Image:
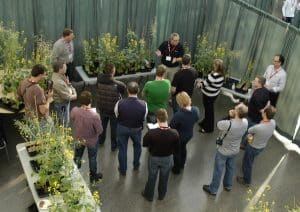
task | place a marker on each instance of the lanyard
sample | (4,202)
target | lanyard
(171,49)
(274,73)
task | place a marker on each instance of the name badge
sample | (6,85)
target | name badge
(168,58)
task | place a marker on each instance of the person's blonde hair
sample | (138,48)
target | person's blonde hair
(241,110)
(162,115)
(219,66)
(161,70)
(183,99)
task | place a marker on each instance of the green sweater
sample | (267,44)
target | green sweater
(157,93)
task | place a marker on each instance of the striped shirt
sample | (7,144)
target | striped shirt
(212,84)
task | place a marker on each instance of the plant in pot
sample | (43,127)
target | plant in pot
(42,53)
(90,56)
(137,54)
(14,67)
(206,52)
(56,175)
(107,51)
(245,84)
(12,62)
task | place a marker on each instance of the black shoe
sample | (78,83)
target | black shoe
(161,198)
(207,190)
(96,177)
(136,168)
(114,149)
(146,198)
(242,147)
(227,189)
(241,180)
(121,173)
(175,170)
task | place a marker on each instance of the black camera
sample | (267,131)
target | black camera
(219,141)
(49,84)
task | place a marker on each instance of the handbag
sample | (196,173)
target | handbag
(219,140)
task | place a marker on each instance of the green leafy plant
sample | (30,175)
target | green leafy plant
(206,52)
(14,65)
(56,174)
(90,55)
(42,53)
(105,49)
(135,52)
(245,82)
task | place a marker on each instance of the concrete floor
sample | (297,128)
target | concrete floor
(184,191)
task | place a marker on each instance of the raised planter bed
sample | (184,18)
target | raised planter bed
(141,78)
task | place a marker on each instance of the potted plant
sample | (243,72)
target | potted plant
(206,52)
(245,84)
(12,62)
(56,174)
(14,65)
(90,56)
(105,49)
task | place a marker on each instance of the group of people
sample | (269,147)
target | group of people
(174,82)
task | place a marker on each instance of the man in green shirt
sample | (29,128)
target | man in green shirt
(157,93)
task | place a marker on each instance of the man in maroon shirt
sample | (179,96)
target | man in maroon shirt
(87,127)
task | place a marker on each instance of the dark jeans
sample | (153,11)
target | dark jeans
(123,134)
(70,71)
(250,154)
(105,118)
(180,156)
(288,19)
(273,98)
(209,117)
(92,154)
(63,112)
(155,165)
(175,105)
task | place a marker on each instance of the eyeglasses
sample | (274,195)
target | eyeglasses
(276,61)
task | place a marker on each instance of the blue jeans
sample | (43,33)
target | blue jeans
(221,162)
(250,154)
(123,134)
(155,165)
(105,118)
(63,112)
(92,154)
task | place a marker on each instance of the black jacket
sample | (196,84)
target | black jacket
(109,91)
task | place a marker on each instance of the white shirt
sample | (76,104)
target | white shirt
(275,80)
(288,8)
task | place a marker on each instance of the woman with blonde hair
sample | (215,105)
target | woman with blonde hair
(210,88)
(183,121)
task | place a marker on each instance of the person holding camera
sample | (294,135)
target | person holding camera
(35,100)
(228,148)
(63,92)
